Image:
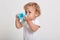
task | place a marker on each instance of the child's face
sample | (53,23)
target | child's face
(32,12)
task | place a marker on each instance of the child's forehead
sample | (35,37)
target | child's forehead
(30,8)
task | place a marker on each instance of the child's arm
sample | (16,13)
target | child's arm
(32,26)
(18,23)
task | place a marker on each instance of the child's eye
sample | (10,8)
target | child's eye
(29,12)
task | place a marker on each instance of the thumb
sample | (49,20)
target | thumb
(25,17)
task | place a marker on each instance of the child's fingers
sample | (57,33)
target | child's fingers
(25,17)
(17,17)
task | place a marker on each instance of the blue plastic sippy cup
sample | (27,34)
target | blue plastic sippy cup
(21,16)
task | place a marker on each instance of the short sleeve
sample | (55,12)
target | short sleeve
(36,21)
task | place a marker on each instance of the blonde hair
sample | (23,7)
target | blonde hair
(34,5)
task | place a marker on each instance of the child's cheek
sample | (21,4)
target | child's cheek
(31,16)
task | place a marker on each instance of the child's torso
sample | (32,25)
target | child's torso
(28,34)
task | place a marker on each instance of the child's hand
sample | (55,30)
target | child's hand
(27,18)
(17,17)
(18,23)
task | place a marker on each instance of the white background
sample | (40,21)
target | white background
(49,19)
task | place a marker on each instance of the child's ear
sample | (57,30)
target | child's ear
(36,14)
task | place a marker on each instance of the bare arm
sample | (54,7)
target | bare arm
(18,23)
(32,26)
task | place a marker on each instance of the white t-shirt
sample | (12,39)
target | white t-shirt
(28,34)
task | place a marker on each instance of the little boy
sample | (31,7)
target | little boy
(32,24)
